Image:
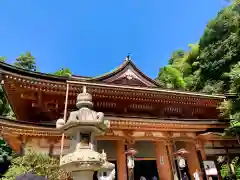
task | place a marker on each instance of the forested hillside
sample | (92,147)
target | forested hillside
(212,65)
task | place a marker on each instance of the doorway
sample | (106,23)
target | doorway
(146,168)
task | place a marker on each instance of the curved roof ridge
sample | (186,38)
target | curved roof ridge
(13,69)
(127,61)
(115,70)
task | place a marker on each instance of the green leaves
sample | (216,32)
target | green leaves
(26,61)
(41,164)
(5,151)
(212,66)
(180,73)
(225,169)
(171,78)
(5,156)
(63,72)
(209,65)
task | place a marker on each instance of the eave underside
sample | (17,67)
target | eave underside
(17,127)
(14,132)
(34,100)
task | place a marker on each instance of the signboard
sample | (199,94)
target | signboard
(161,160)
(210,168)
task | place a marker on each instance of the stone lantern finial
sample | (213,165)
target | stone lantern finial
(84,99)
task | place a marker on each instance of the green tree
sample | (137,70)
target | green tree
(63,72)
(5,150)
(5,156)
(204,66)
(176,55)
(26,61)
(225,169)
(2,59)
(5,109)
(212,66)
(181,71)
(170,77)
(41,164)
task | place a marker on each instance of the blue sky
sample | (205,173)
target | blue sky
(92,37)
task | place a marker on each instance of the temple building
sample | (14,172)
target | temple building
(156,122)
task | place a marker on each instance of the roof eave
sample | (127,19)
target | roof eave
(10,69)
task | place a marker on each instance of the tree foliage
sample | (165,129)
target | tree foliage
(5,151)
(63,72)
(235,162)
(26,61)
(212,66)
(205,65)
(5,156)
(2,59)
(41,164)
(5,109)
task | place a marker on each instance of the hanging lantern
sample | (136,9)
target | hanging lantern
(181,152)
(131,152)
(181,162)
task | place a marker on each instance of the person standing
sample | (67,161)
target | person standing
(196,175)
(154,178)
(185,177)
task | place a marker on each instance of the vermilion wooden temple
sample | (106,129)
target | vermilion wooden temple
(157,122)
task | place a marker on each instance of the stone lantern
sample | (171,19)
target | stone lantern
(82,126)
(107,171)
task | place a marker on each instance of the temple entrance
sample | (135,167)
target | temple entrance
(146,168)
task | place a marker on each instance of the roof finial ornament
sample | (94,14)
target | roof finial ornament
(128,57)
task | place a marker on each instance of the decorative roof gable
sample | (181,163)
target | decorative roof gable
(127,74)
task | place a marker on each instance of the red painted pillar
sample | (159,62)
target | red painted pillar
(163,162)
(121,161)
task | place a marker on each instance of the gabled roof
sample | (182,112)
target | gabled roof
(126,74)
(129,71)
